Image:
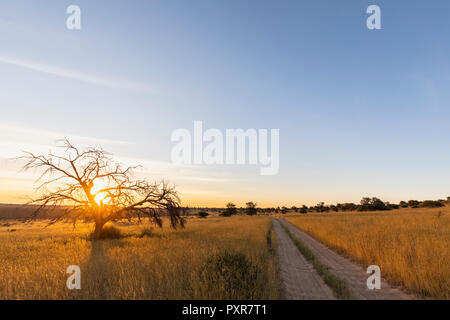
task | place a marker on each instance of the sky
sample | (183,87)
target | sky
(360,112)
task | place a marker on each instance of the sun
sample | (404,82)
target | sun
(101,197)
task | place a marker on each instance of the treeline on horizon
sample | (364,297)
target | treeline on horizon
(251,208)
(366,204)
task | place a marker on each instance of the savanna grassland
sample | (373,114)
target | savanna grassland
(411,246)
(214,258)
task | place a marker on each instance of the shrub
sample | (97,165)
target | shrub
(230,210)
(232,273)
(284,210)
(347,207)
(250,209)
(431,204)
(413,203)
(203,214)
(403,204)
(146,232)
(392,206)
(372,204)
(108,232)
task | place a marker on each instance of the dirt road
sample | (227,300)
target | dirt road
(299,279)
(352,274)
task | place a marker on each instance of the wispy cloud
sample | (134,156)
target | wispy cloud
(22,131)
(72,74)
(15,138)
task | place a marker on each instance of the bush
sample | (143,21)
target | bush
(203,214)
(347,207)
(230,210)
(372,204)
(108,232)
(284,210)
(146,232)
(431,204)
(413,203)
(250,208)
(403,204)
(304,209)
(392,206)
(233,274)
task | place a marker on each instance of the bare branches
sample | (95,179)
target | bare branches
(69,180)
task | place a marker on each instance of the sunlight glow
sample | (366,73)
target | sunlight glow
(102,196)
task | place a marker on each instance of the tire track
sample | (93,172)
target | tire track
(299,279)
(352,274)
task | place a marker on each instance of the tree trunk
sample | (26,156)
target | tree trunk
(98,229)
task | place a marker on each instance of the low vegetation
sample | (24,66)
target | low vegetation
(214,258)
(107,232)
(234,275)
(203,214)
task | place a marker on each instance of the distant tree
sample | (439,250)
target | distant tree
(89,185)
(320,207)
(403,204)
(250,208)
(365,203)
(431,204)
(294,208)
(304,209)
(284,210)
(413,204)
(372,204)
(392,206)
(347,207)
(230,210)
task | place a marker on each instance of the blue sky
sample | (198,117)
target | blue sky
(360,112)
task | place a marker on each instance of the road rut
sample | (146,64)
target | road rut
(354,275)
(299,279)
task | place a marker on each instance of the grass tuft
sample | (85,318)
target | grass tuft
(146,232)
(234,273)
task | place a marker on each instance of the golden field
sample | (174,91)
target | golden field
(411,246)
(213,258)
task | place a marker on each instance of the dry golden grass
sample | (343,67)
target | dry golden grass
(411,246)
(166,265)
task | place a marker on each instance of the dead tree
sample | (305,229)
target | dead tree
(89,185)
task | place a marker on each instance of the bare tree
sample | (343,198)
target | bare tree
(89,185)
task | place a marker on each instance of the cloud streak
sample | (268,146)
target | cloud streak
(26,133)
(70,74)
